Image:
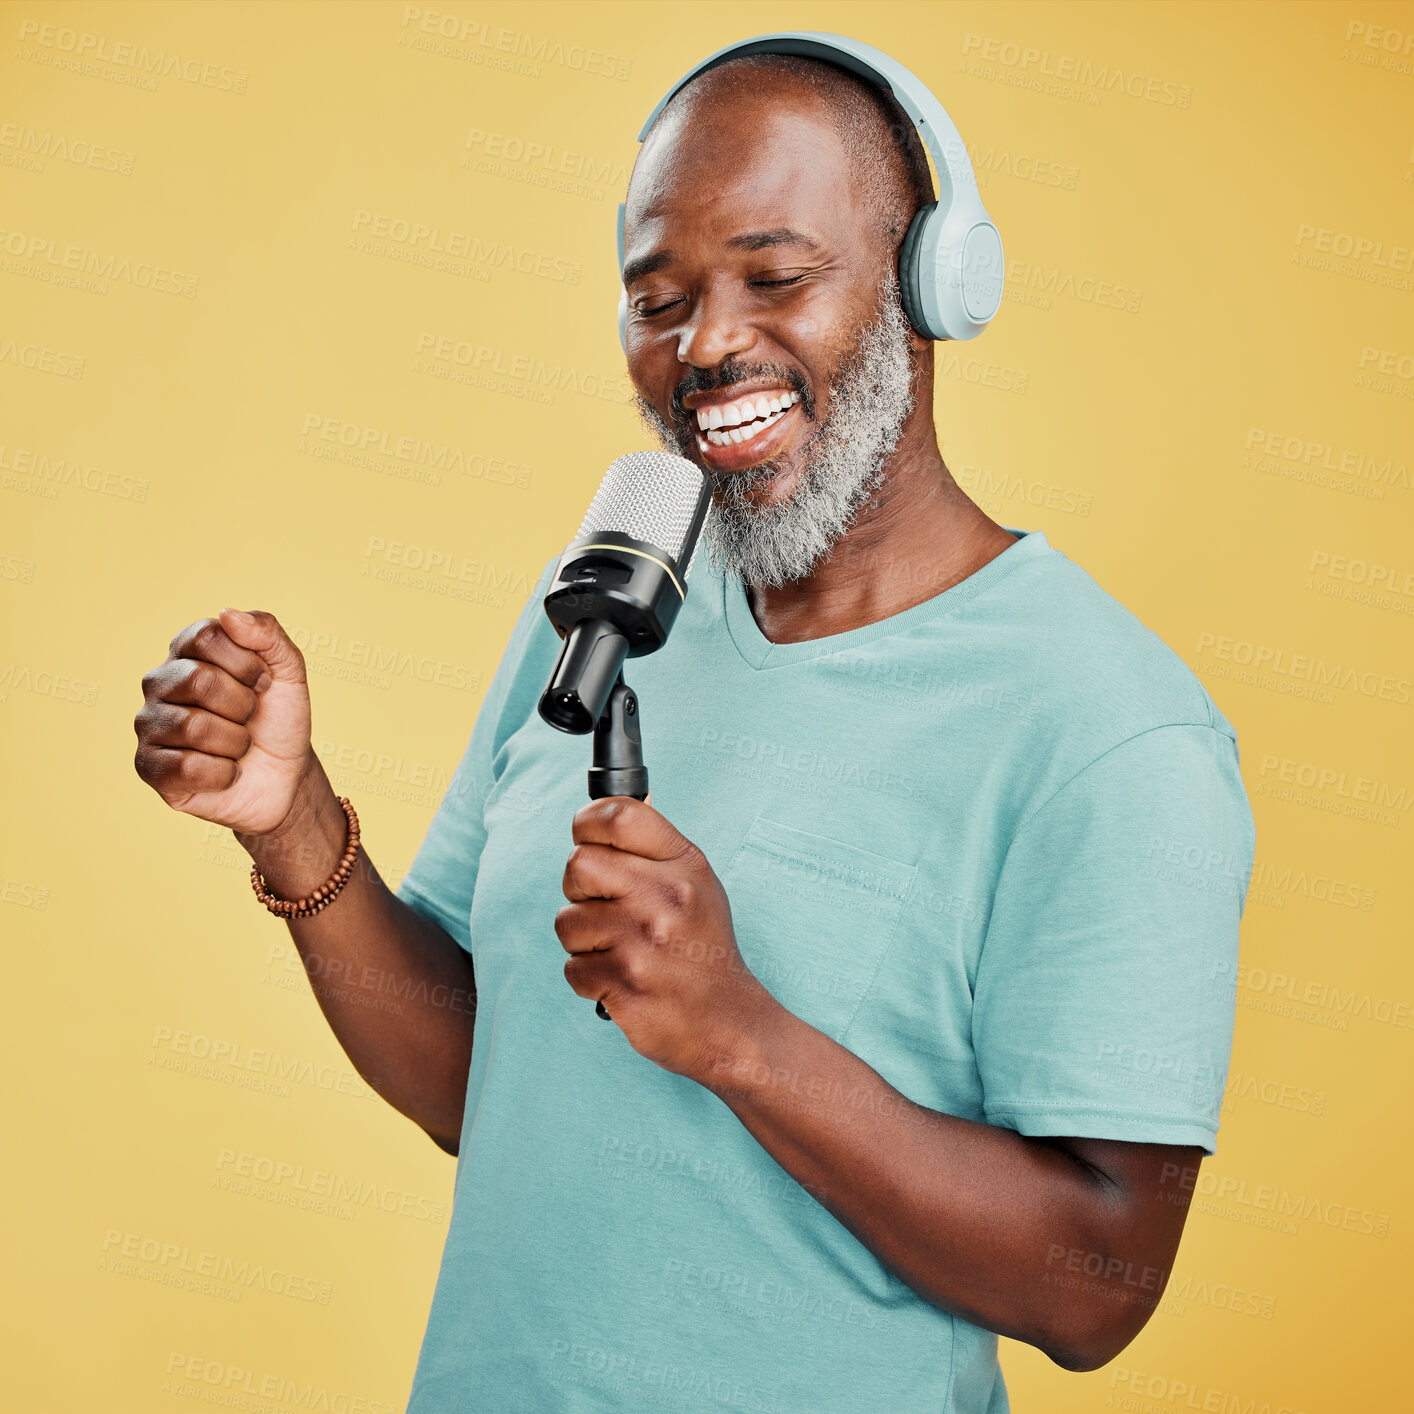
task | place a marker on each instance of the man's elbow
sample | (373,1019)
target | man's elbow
(1080,1362)
(1090,1345)
(447,1143)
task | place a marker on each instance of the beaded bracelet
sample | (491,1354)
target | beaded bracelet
(326,893)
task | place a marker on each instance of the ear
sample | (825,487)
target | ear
(916,341)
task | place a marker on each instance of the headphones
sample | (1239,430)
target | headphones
(950,263)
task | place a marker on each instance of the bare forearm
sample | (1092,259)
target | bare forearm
(397,991)
(969,1215)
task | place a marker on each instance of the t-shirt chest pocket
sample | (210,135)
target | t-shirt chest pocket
(813,917)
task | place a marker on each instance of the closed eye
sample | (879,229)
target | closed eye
(760,284)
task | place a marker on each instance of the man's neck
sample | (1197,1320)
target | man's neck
(920,535)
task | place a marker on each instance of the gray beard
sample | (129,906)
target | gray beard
(870,398)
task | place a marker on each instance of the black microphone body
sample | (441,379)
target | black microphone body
(610,600)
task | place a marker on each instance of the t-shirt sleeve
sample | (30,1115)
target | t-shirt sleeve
(442,878)
(1103,1004)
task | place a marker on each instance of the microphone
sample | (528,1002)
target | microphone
(620,584)
(615,595)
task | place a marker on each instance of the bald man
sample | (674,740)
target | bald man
(919,963)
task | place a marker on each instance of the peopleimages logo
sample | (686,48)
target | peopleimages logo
(33,149)
(138,1254)
(222,1383)
(44,253)
(1038,64)
(1301,669)
(1132,1387)
(1268,450)
(244,1173)
(556,161)
(58,44)
(377,664)
(41,359)
(1355,246)
(456,38)
(1286,994)
(432,240)
(1336,780)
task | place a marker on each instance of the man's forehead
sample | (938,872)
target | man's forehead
(784,181)
(758,142)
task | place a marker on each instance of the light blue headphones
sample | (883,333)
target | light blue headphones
(950,263)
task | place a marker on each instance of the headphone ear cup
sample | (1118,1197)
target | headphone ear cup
(909,274)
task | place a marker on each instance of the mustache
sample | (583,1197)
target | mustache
(732,370)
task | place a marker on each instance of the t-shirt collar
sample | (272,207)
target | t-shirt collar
(759,652)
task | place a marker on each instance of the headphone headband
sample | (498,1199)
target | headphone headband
(940,136)
(950,263)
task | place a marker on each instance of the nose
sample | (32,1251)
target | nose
(717,330)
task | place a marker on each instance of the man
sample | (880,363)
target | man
(945,866)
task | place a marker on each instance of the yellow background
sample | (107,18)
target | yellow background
(185,463)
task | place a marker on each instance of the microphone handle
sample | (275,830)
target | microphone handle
(618,767)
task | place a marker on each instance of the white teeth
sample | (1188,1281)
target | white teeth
(742,434)
(747,410)
(725,426)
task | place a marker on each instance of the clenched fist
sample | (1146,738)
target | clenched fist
(224,733)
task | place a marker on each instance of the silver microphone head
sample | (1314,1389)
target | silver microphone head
(655,497)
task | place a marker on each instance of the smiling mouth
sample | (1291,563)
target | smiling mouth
(742,422)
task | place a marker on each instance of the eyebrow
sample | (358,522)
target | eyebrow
(748,240)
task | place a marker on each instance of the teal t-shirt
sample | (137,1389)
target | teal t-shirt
(997,845)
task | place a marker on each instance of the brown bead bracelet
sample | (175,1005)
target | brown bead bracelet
(326,893)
